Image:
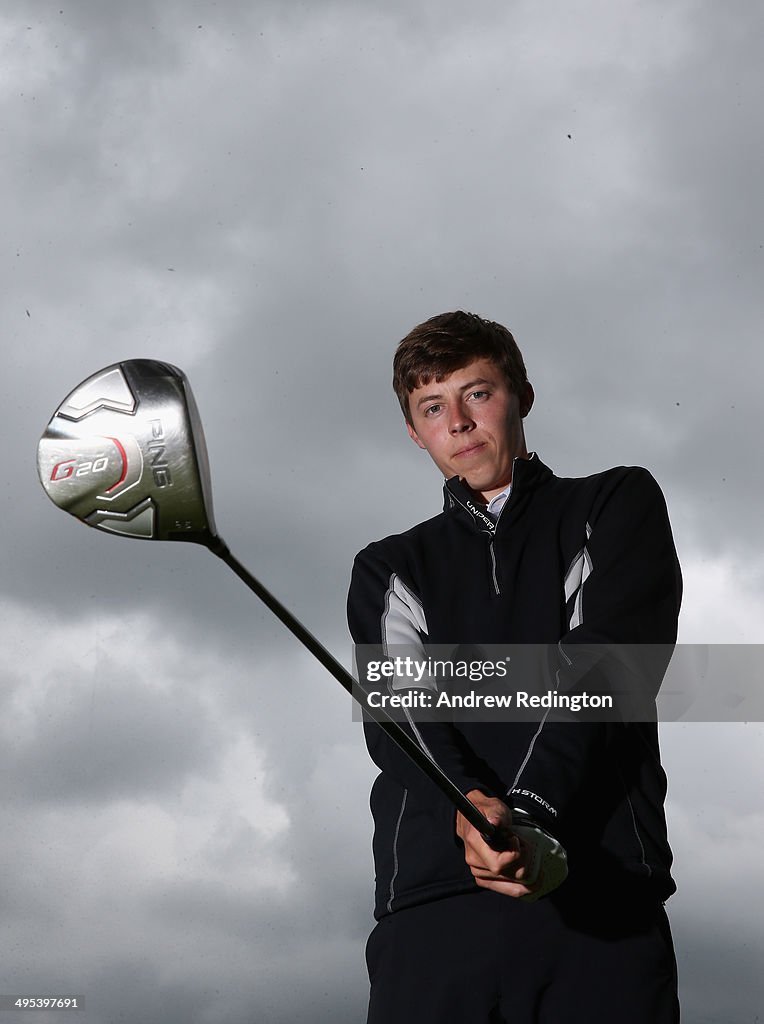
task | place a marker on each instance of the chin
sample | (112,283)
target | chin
(480,486)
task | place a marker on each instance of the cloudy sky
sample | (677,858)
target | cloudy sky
(270,195)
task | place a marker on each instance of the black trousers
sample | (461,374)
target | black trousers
(483,958)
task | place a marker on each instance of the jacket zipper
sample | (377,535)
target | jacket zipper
(494,564)
(494,573)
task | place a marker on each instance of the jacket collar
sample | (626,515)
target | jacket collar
(527,474)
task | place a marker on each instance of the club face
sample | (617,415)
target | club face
(125,453)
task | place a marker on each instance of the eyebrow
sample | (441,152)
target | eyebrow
(464,387)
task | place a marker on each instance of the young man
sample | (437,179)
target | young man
(518,556)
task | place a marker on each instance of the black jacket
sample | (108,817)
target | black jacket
(569,562)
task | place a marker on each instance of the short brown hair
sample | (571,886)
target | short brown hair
(447,342)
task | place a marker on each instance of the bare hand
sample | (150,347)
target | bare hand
(502,871)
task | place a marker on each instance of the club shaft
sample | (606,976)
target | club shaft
(393,729)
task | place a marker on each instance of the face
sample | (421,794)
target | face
(471,424)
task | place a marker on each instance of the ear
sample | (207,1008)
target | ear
(526,399)
(414,436)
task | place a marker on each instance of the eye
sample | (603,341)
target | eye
(431,410)
(478,396)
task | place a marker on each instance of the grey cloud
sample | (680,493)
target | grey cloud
(109,739)
(719,965)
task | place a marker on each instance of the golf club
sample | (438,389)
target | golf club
(125,453)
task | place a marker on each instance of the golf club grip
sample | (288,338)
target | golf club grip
(496,838)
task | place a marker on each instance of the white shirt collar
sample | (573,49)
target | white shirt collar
(496,503)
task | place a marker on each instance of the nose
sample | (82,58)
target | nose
(459,420)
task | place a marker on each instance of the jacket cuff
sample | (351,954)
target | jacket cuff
(535,806)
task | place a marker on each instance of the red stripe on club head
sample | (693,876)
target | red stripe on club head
(123,455)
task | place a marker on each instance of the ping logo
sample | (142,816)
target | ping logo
(160,468)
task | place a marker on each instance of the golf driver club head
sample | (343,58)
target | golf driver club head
(125,453)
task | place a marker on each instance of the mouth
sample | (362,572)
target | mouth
(472,449)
